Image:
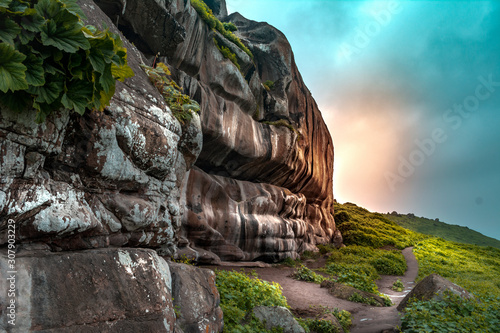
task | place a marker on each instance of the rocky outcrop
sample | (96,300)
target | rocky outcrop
(248,178)
(196,299)
(105,290)
(87,185)
(263,184)
(433,287)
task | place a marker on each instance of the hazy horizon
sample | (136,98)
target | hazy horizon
(410,92)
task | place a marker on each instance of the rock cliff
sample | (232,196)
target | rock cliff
(262,185)
(249,178)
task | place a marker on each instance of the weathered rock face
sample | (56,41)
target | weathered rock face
(196,297)
(240,150)
(108,178)
(106,290)
(90,185)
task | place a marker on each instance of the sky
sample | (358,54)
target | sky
(410,91)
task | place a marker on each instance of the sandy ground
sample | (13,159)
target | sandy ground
(302,296)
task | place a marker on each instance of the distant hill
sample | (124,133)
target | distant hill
(446,231)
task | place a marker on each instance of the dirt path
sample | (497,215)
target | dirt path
(366,319)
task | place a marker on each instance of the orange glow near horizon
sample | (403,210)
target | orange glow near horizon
(365,148)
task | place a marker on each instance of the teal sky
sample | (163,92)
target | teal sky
(410,91)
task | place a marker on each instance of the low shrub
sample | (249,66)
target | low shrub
(290,262)
(268,85)
(305,274)
(452,314)
(398,285)
(239,294)
(321,326)
(355,297)
(229,26)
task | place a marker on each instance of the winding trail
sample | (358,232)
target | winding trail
(303,297)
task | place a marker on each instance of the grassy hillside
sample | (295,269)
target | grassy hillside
(476,268)
(362,227)
(446,231)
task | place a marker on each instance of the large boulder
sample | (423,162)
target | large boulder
(432,287)
(196,299)
(103,290)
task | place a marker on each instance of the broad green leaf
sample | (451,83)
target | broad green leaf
(32,20)
(74,8)
(26,37)
(8,29)
(12,70)
(64,38)
(75,66)
(17,101)
(50,91)
(96,59)
(34,72)
(78,96)
(48,8)
(18,7)
(5,3)
(121,73)
(101,48)
(120,58)
(45,109)
(51,68)
(106,79)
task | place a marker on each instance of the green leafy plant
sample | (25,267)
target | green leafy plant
(50,60)
(290,262)
(185,260)
(182,106)
(239,294)
(213,22)
(228,54)
(305,274)
(229,26)
(452,314)
(268,85)
(321,326)
(355,297)
(398,285)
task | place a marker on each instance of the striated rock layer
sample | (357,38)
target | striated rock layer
(77,188)
(260,190)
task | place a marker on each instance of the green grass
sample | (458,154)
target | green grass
(473,267)
(446,231)
(362,227)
